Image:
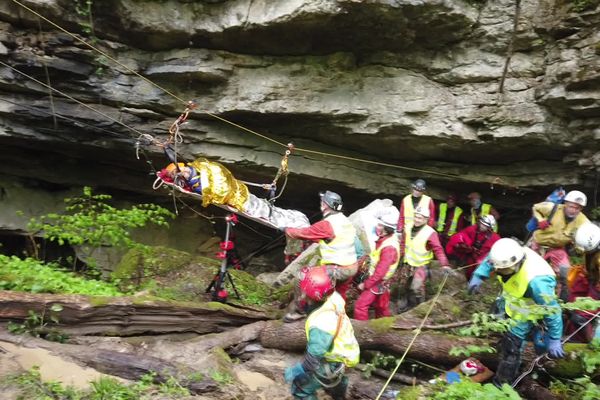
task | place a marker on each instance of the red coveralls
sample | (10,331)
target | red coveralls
(471,246)
(375,283)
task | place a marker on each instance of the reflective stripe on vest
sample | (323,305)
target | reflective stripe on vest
(415,249)
(345,348)
(442,219)
(376,254)
(341,249)
(516,286)
(409,210)
(485,210)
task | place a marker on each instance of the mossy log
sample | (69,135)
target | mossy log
(125,365)
(431,347)
(128,315)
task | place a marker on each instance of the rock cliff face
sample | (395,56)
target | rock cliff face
(421,84)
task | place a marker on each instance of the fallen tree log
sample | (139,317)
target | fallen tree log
(125,365)
(127,315)
(431,347)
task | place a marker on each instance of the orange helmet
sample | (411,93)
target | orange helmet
(171,168)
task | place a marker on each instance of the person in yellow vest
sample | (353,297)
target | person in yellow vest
(556,230)
(527,280)
(417,198)
(450,219)
(331,344)
(337,240)
(479,209)
(418,245)
(383,263)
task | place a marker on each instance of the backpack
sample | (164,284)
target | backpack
(557,197)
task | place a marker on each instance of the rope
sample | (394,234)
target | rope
(417,332)
(267,138)
(47,73)
(537,362)
(71,98)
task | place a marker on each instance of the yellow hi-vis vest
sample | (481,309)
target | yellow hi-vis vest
(516,286)
(409,210)
(375,254)
(331,318)
(442,219)
(415,248)
(485,210)
(340,250)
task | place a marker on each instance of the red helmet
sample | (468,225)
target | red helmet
(316,283)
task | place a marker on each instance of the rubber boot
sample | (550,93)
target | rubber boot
(338,392)
(510,360)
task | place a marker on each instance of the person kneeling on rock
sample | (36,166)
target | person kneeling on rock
(383,263)
(331,344)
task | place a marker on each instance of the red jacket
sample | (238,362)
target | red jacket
(388,256)
(480,242)
(433,243)
(431,221)
(315,232)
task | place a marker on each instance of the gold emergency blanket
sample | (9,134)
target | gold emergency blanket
(218,185)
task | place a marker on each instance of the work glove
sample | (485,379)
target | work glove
(447,270)
(292,372)
(543,224)
(555,348)
(475,284)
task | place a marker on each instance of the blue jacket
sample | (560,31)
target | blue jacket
(541,290)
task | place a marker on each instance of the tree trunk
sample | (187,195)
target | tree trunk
(126,316)
(430,347)
(124,365)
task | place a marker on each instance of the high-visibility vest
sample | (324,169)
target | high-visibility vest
(376,254)
(485,210)
(332,318)
(341,249)
(442,219)
(415,248)
(409,210)
(516,286)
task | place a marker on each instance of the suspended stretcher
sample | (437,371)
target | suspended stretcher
(213,184)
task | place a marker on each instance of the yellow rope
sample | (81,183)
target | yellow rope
(418,331)
(70,97)
(307,151)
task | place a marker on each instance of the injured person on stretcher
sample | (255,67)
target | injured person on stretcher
(217,186)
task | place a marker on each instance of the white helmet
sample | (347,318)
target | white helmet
(390,218)
(577,197)
(488,220)
(506,253)
(424,211)
(470,367)
(588,236)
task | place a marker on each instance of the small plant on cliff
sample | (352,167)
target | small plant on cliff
(38,325)
(91,221)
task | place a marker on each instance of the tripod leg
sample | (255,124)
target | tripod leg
(233,285)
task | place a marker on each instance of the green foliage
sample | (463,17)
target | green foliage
(595,213)
(469,390)
(591,360)
(105,388)
(33,388)
(31,275)
(484,324)
(584,5)
(221,377)
(141,263)
(470,349)
(37,325)
(90,220)
(582,303)
(581,388)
